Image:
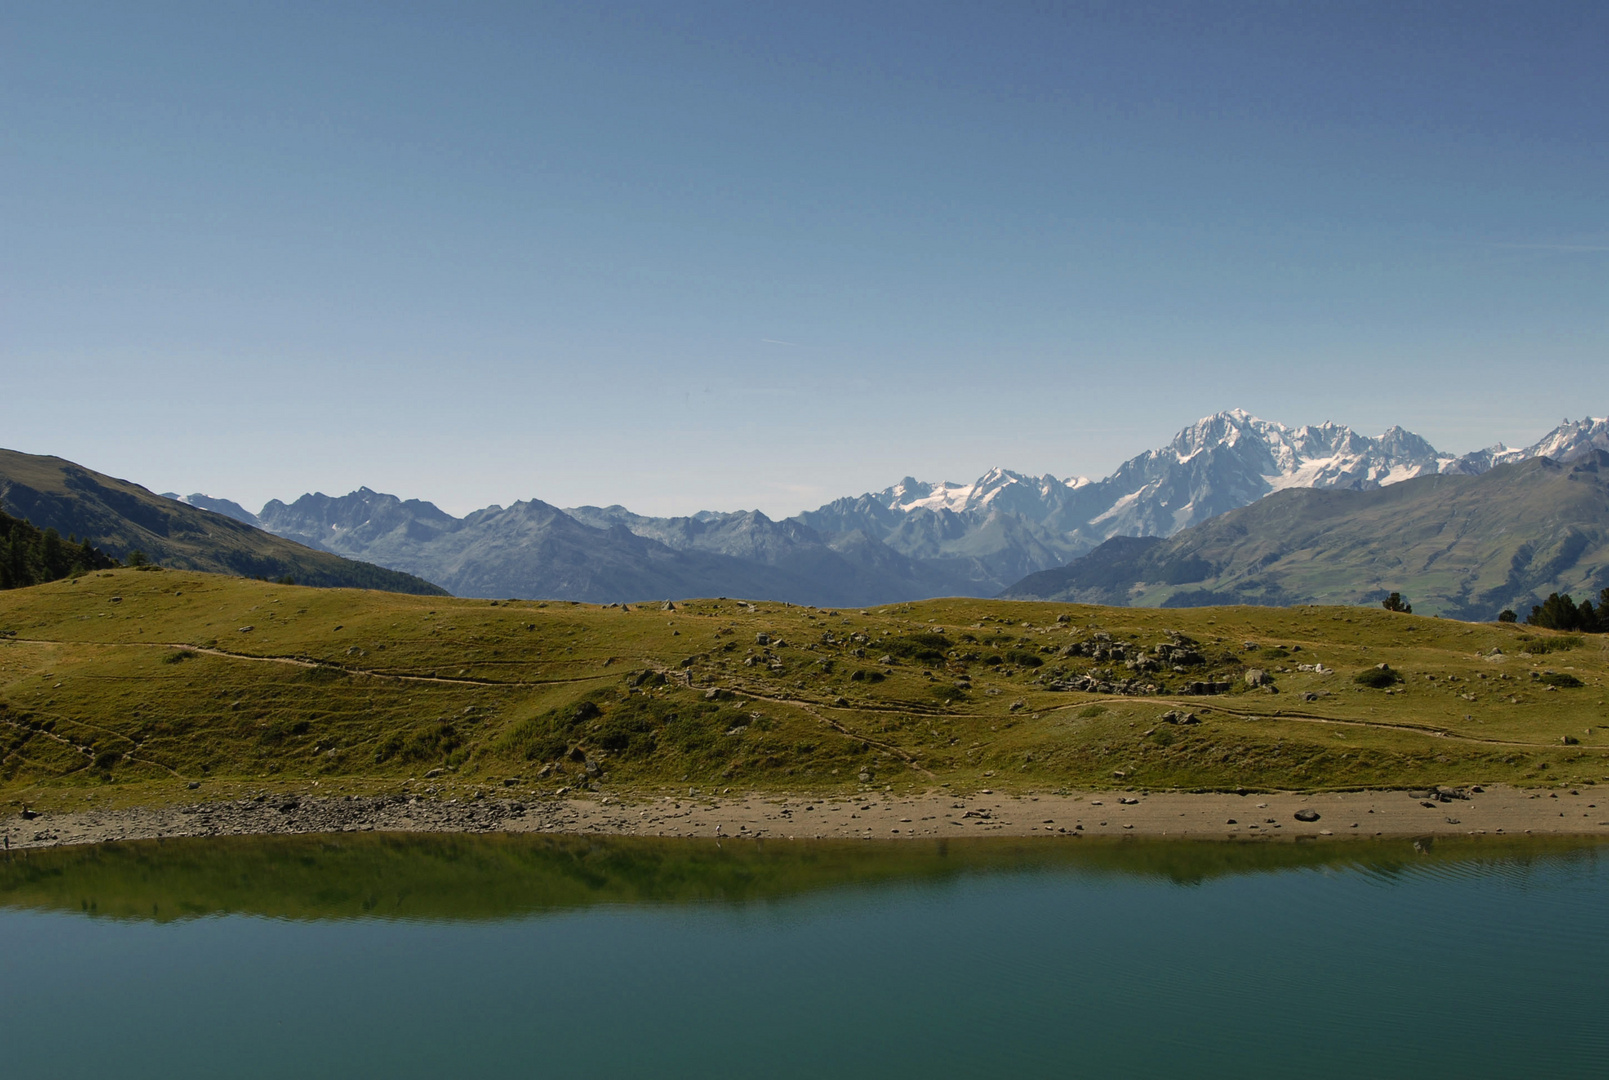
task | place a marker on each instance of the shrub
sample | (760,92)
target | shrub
(1560,679)
(1543,646)
(427,743)
(1377,677)
(1395,602)
(929,647)
(1024,659)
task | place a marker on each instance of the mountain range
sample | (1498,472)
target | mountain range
(121,518)
(1465,546)
(913,539)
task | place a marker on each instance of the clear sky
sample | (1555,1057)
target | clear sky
(685,256)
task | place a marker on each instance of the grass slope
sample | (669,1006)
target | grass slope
(128,684)
(1462,546)
(119,517)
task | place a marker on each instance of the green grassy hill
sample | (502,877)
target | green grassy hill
(119,518)
(136,683)
(1463,546)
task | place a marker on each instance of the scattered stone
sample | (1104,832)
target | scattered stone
(1307,814)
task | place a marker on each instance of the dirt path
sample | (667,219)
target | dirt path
(1303,717)
(307,662)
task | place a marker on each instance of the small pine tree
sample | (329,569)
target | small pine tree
(1507,615)
(1395,602)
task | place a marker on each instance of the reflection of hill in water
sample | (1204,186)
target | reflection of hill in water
(492,877)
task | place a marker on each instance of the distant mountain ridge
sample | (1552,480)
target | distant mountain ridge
(532,549)
(120,517)
(1457,544)
(910,540)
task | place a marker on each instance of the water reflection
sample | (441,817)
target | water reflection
(441,877)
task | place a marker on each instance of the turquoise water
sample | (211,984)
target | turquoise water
(398,958)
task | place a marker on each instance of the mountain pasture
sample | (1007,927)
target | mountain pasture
(135,684)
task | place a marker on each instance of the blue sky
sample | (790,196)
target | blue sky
(685,256)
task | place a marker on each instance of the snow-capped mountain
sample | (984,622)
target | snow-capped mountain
(1222,462)
(910,539)
(997,486)
(217,506)
(1232,458)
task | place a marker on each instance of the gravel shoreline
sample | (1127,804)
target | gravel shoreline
(1254,816)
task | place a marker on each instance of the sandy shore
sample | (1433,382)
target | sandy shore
(1494,811)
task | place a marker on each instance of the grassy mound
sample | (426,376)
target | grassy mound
(132,684)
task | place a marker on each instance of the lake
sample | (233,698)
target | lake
(404,956)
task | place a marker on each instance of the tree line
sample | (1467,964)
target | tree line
(1563,613)
(29,556)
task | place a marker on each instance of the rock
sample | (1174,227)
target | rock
(885,659)
(762,639)
(192,785)
(669,606)
(246,629)
(1307,814)
(29,815)
(1256,677)
(432,774)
